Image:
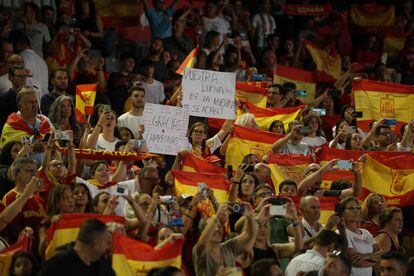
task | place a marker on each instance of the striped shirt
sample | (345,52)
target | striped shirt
(309,261)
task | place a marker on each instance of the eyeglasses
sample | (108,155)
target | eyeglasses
(198,131)
(358,208)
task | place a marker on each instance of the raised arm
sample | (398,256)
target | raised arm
(93,138)
(308,181)
(71,155)
(279,144)
(356,185)
(249,233)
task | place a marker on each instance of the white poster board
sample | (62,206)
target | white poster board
(209,94)
(165,128)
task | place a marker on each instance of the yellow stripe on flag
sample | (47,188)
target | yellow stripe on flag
(329,64)
(251,93)
(372,15)
(245,141)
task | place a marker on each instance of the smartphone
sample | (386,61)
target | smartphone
(259,77)
(350,129)
(202,188)
(305,130)
(345,164)
(105,108)
(319,111)
(229,172)
(301,93)
(339,209)
(178,222)
(121,191)
(137,143)
(26,140)
(357,114)
(61,135)
(336,93)
(237,209)
(168,199)
(278,206)
(390,122)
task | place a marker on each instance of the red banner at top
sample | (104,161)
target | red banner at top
(313,10)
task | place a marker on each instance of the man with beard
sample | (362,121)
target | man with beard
(133,118)
(156,49)
(120,82)
(59,80)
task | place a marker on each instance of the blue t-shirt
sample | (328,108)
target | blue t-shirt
(160,22)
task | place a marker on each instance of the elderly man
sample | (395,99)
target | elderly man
(27,122)
(292,143)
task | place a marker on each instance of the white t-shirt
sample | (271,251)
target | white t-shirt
(363,243)
(309,261)
(338,145)
(265,25)
(128,185)
(38,35)
(102,144)
(130,121)
(300,148)
(218,24)
(213,144)
(38,69)
(314,141)
(154,92)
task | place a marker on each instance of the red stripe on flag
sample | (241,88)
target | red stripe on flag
(243,86)
(215,180)
(295,74)
(363,86)
(255,135)
(282,159)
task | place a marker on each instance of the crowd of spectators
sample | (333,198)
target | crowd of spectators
(45,52)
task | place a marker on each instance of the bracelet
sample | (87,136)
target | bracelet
(296,224)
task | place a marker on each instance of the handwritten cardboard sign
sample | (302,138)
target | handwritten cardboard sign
(209,93)
(165,128)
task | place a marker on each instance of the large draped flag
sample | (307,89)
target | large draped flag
(372,15)
(85,100)
(304,80)
(191,163)
(131,257)
(244,141)
(394,42)
(6,255)
(66,230)
(393,177)
(252,93)
(287,166)
(266,116)
(328,65)
(189,61)
(378,100)
(187,183)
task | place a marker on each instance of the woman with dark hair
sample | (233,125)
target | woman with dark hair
(90,23)
(9,153)
(62,116)
(391,223)
(83,199)
(24,263)
(339,141)
(353,142)
(211,43)
(277,126)
(103,136)
(314,137)
(288,54)
(125,134)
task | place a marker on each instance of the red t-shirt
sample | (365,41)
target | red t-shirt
(48,184)
(32,214)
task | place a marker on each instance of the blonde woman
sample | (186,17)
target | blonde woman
(372,208)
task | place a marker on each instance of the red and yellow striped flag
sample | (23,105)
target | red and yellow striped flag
(131,257)
(247,140)
(187,183)
(287,166)
(391,176)
(193,164)
(66,230)
(304,80)
(394,42)
(372,15)
(6,256)
(254,94)
(328,64)
(85,100)
(189,61)
(378,100)
(266,116)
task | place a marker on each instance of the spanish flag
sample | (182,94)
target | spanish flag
(266,116)
(66,230)
(189,61)
(6,256)
(393,177)
(193,164)
(287,166)
(85,100)
(247,140)
(304,80)
(328,64)
(131,257)
(378,100)
(372,15)
(246,92)
(187,183)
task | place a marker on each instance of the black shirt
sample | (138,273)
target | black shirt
(67,262)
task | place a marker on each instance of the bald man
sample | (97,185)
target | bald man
(311,211)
